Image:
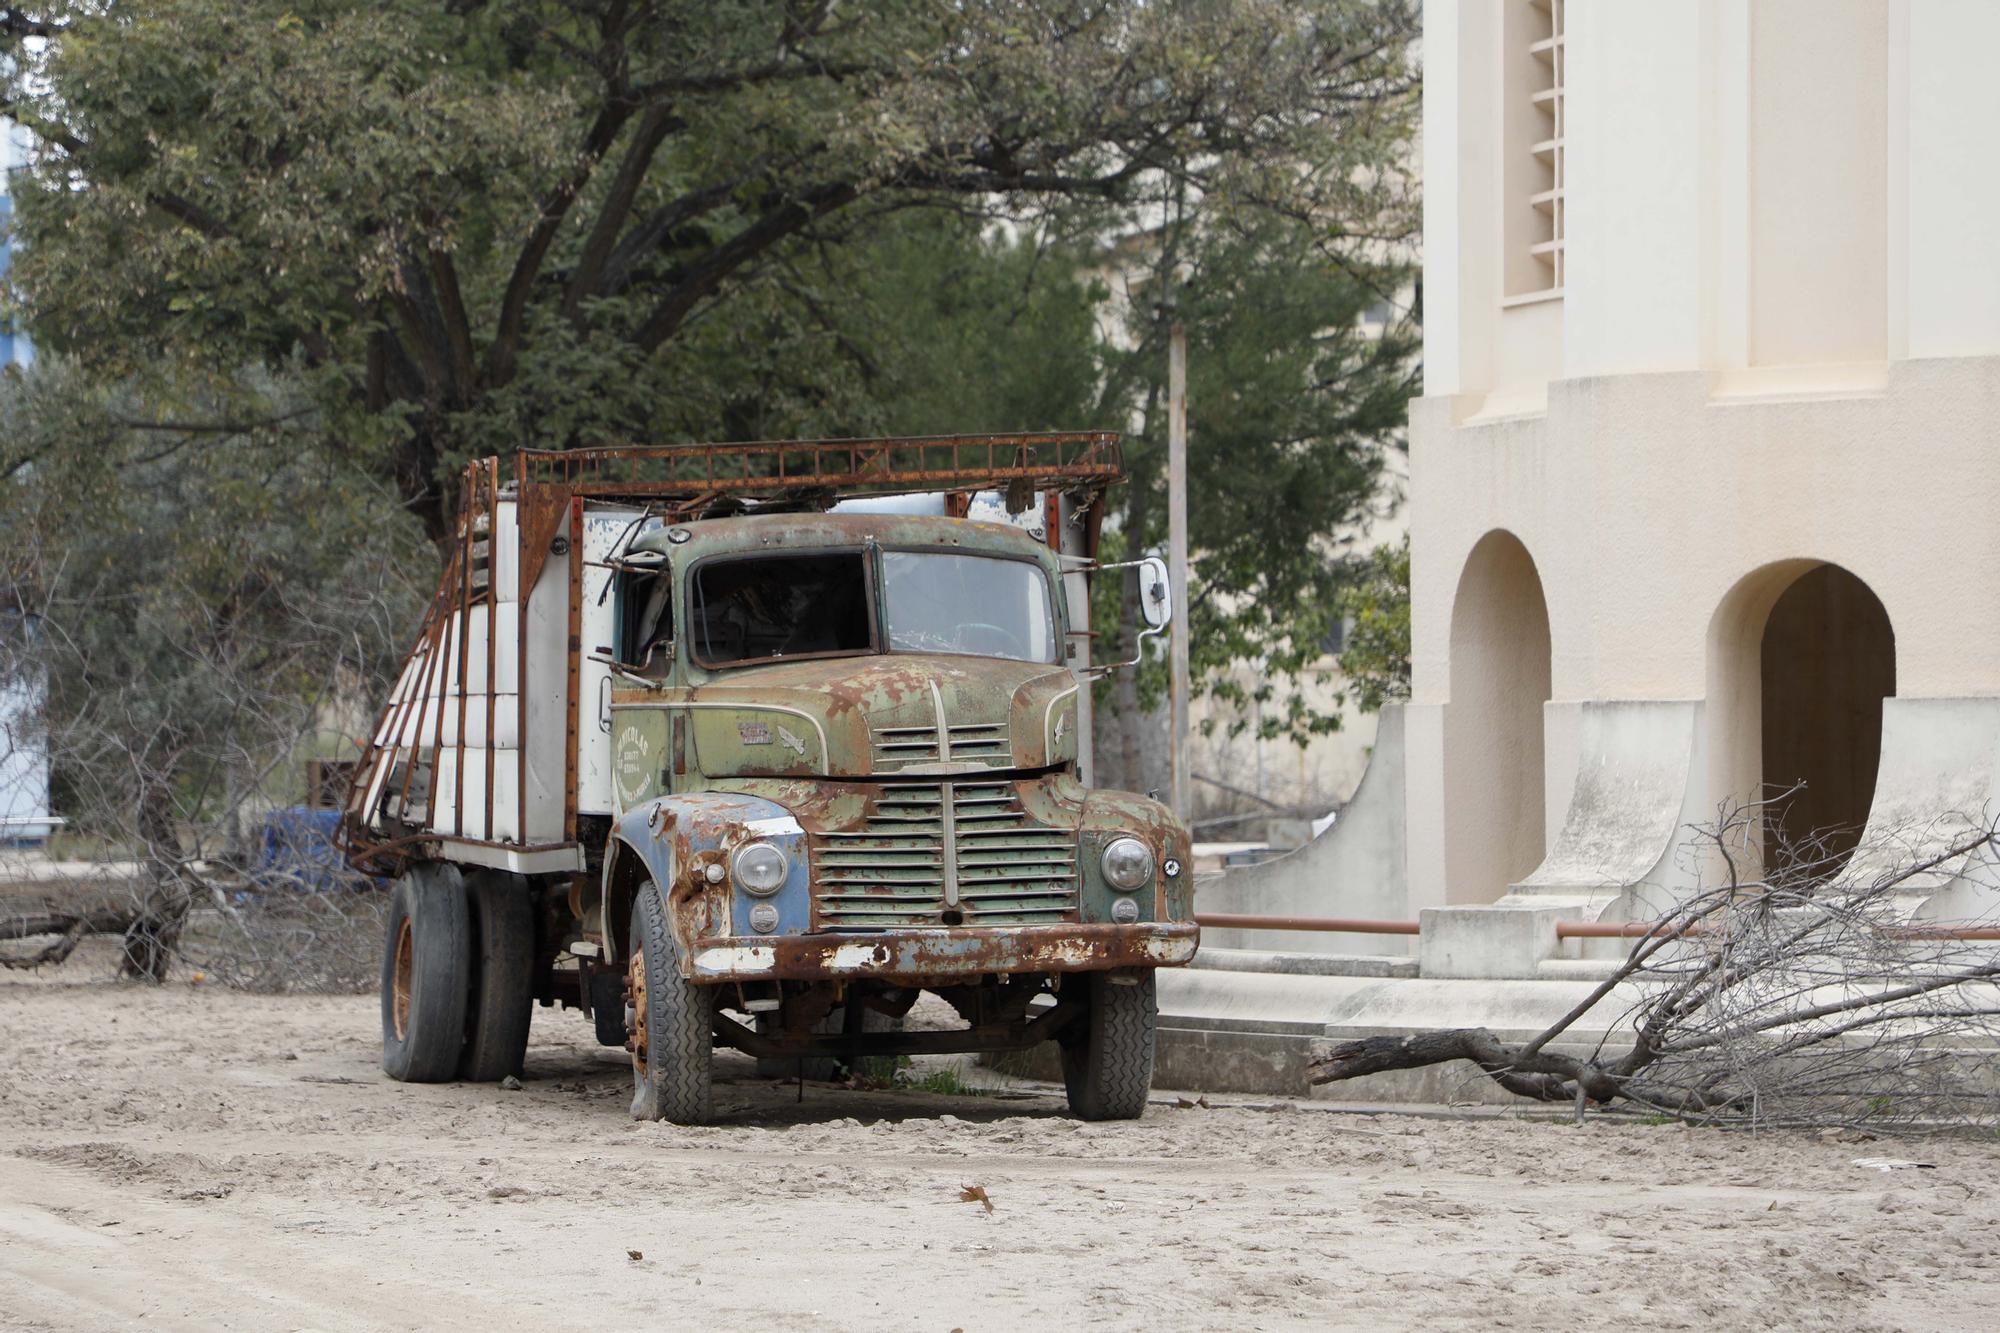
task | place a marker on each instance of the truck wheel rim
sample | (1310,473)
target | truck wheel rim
(635,986)
(406,962)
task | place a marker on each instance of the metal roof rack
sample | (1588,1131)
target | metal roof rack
(686,476)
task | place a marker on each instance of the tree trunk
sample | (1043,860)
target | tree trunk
(154,935)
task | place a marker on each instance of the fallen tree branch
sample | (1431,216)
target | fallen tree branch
(68,927)
(1796,998)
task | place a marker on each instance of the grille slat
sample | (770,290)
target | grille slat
(984,743)
(890,872)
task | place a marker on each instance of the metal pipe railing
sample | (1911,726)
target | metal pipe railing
(1565,930)
(1349,925)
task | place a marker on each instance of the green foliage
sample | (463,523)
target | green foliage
(1291,405)
(460,228)
(1376,604)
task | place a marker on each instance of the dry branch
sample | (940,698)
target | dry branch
(1795,998)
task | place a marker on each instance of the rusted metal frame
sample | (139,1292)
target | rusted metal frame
(434,666)
(417,684)
(988,1037)
(1076,456)
(523,588)
(1093,526)
(467,497)
(568,460)
(492,478)
(573,688)
(354,821)
(1054,947)
(887,482)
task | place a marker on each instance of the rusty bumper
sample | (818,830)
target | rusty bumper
(932,955)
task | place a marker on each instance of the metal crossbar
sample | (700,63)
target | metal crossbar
(694,472)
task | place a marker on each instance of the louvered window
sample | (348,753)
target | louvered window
(1535,66)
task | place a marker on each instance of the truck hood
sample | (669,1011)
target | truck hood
(882,716)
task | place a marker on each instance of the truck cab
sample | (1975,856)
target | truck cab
(845,767)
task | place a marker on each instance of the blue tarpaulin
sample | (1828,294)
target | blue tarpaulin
(298,843)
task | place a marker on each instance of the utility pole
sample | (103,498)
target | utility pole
(1177,563)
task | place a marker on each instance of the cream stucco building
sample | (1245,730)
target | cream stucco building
(1705,479)
(1706,474)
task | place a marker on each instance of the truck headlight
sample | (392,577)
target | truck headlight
(1128,864)
(761,869)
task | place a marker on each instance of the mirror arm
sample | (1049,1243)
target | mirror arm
(1138,642)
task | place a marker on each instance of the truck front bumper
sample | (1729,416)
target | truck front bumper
(925,956)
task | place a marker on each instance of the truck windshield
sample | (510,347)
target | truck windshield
(766,607)
(939,602)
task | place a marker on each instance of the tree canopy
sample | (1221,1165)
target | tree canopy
(465,226)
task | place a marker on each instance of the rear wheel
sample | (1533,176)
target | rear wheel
(426,964)
(672,1024)
(1107,1057)
(503,962)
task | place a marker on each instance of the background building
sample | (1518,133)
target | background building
(1704,477)
(24,760)
(1706,465)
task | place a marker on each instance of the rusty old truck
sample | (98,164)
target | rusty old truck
(750,746)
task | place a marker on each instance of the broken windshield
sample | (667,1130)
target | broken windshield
(768,607)
(985,606)
(765,607)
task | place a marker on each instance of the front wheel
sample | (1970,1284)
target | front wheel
(672,1024)
(1107,1056)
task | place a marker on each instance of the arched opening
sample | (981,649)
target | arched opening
(1801,656)
(1493,724)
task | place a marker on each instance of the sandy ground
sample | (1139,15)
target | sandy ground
(192,1157)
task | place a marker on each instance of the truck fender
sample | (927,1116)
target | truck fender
(671,842)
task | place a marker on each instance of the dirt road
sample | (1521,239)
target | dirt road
(197,1158)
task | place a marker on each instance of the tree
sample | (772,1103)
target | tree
(462,226)
(1375,602)
(199,612)
(1800,996)
(1292,402)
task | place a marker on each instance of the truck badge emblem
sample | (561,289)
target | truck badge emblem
(791,742)
(754,733)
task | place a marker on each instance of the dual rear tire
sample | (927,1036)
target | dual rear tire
(457,975)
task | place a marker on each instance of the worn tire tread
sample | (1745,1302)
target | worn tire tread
(501,1003)
(680,1027)
(1108,1073)
(432,896)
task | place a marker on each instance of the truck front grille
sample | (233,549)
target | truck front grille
(899,747)
(983,743)
(1008,869)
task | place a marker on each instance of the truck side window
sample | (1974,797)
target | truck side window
(646,604)
(767,607)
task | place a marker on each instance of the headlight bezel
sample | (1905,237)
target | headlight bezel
(1136,875)
(756,886)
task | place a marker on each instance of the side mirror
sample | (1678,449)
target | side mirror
(1156,593)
